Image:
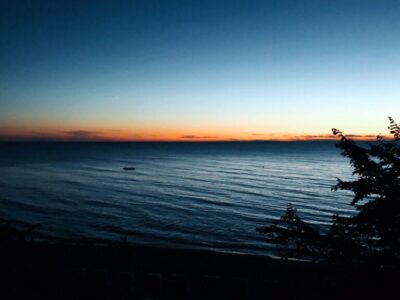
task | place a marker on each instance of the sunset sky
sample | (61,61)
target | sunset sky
(197,70)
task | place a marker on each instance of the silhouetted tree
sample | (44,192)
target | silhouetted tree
(372,233)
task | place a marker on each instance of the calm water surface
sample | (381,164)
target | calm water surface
(193,195)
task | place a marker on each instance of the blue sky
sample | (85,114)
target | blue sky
(223,69)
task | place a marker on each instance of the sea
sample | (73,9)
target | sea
(195,195)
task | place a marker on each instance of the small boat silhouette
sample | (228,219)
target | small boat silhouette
(128,168)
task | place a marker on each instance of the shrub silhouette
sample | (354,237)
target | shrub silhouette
(371,234)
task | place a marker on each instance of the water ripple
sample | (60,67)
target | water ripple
(180,194)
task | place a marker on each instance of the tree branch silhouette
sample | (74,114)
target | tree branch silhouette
(374,232)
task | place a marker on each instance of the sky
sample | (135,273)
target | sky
(197,70)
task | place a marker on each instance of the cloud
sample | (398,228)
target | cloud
(315,137)
(83,133)
(361,136)
(72,135)
(197,137)
(332,137)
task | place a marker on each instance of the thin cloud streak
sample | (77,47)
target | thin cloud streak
(198,137)
(83,133)
(324,137)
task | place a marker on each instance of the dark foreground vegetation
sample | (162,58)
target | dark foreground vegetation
(370,236)
(95,270)
(358,258)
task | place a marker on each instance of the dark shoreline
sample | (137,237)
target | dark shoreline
(61,270)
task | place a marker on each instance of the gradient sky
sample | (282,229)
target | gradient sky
(197,70)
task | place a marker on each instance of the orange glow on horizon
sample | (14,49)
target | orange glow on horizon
(167,135)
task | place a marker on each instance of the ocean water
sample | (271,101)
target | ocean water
(187,195)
